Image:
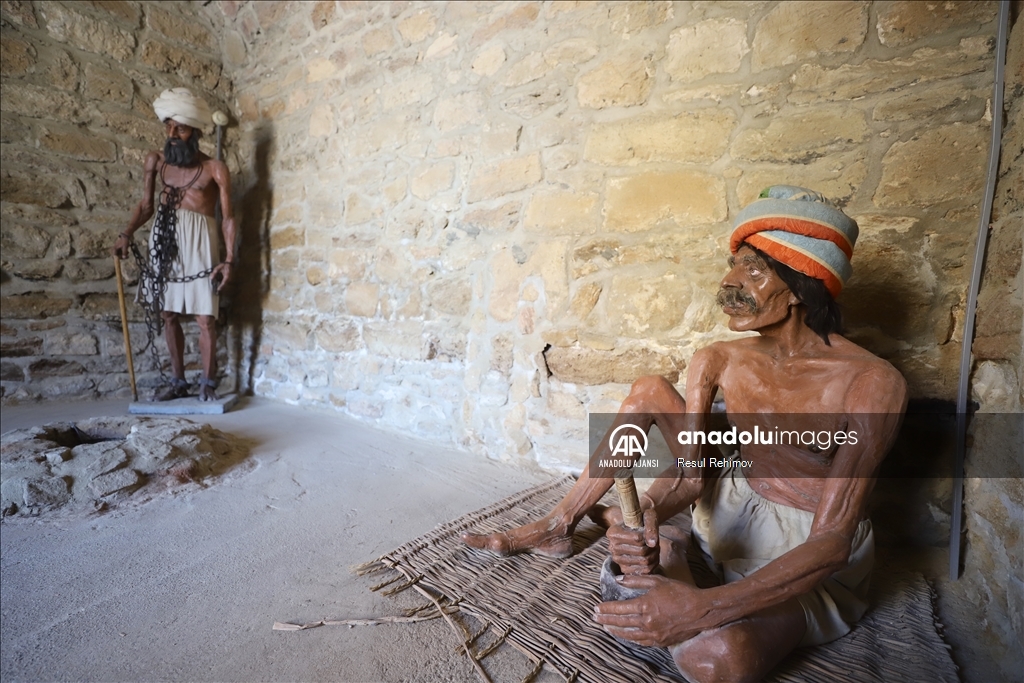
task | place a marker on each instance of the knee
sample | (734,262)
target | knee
(207,323)
(169,318)
(648,390)
(722,656)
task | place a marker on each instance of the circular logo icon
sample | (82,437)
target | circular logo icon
(629,441)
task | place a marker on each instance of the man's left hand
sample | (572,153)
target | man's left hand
(666,615)
(222,275)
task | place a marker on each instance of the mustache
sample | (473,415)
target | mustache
(729,297)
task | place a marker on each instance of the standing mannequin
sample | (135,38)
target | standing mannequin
(183,240)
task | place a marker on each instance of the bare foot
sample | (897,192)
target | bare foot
(207,389)
(546,537)
(605,516)
(178,388)
(673,542)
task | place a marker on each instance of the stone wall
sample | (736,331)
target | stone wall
(79,79)
(994,492)
(478,221)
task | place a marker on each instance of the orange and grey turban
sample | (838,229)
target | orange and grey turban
(179,104)
(802,229)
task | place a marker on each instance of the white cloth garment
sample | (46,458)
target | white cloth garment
(198,249)
(739,531)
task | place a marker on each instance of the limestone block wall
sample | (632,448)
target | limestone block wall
(479,221)
(78,81)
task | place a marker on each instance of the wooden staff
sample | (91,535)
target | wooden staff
(124,326)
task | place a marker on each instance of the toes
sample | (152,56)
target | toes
(478,541)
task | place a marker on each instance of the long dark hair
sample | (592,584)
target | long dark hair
(823,315)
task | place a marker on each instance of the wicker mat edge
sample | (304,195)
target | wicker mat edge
(542,607)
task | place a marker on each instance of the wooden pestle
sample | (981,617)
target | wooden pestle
(633,518)
(629,501)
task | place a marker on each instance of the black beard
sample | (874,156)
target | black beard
(729,297)
(178,152)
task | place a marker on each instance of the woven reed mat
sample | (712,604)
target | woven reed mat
(543,608)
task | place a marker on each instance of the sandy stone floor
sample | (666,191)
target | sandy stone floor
(188,585)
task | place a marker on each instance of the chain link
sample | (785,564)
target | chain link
(144,269)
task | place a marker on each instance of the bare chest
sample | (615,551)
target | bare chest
(189,188)
(759,387)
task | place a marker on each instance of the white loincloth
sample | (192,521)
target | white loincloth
(198,248)
(739,531)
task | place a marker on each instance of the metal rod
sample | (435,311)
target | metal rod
(217,214)
(956,523)
(124,326)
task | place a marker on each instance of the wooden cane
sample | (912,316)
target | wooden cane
(124,326)
(629,501)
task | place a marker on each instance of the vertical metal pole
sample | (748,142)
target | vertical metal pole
(956,523)
(220,140)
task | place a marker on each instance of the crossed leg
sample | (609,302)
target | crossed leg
(652,400)
(744,650)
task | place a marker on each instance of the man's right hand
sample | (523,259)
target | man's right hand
(636,551)
(121,246)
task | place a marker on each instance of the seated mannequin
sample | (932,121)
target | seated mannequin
(789,533)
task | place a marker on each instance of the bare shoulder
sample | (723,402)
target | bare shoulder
(153,160)
(703,374)
(714,355)
(875,384)
(214,164)
(710,362)
(215,167)
(843,348)
(734,349)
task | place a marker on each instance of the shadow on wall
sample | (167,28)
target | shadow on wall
(912,500)
(253,281)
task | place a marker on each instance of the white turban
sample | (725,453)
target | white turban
(179,104)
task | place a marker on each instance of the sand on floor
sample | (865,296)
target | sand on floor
(188,586)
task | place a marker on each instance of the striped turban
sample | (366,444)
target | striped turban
(802,229)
